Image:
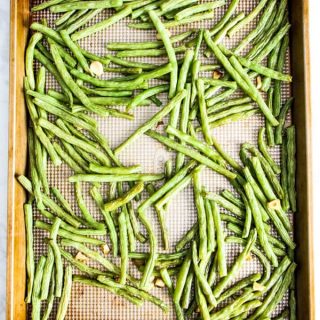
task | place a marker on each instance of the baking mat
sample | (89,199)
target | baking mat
(90,303)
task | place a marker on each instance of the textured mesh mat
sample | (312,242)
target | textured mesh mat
(90,303)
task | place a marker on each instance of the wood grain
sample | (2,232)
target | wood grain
(16,272)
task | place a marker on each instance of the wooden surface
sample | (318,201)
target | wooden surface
(16,272)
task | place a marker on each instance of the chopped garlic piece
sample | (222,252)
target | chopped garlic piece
(96,68)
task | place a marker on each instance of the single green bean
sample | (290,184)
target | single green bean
(210,227)
(269,128)
(81,5)
(148,52)
(282,119)
(102,24)
(170,51)
(50,299)
(66,294)
(284,175)
(291,166)
(36,302)
(47,274)
(153,120)
(30,265)
(123,247)
(29,58)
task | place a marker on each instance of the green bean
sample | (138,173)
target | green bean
(220,240)
(36,182)
(269,129)
(146,45)
(236,266)
(107,217)
(220,83)
(248,18)
(101,25)
(232,198)
(282,119)
(49,32)
(64,203)
(42,50)
(264,183)
(106,93)
(74,48)
(70,61)
(57,256)
(264,261)
(114,170)
(202,223)
(183,124)
(132,64)
(228,14)
(225,203)
(45,5)
(272,61)
(40,165)
(68,235)
(66,158)
(198,8)
(152,121)
(172,24)
(279,67)
(41,80)
(114,290)
(201,278)
(147,273)
(115,204)
(213,101)
(181,279)
(203,112)
(194,142)
(123,247)
(147,52)
(29,58)
(284,175)
(238,286)
(36,302)
(209,67)
(170,51)
(291,166)
(185,299)
(210,227)
(30,265)
(192,154)
(75,17)
(261,26)
(47,274)
(84,210)
(264,150)
(230,112)
(81,5)
(66,293)
(63,20)
(146,94)
(50,299)
(92,272)
(259,224)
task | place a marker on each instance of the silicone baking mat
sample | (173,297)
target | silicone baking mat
(89,303)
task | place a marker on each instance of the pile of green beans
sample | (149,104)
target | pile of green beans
(64,129)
